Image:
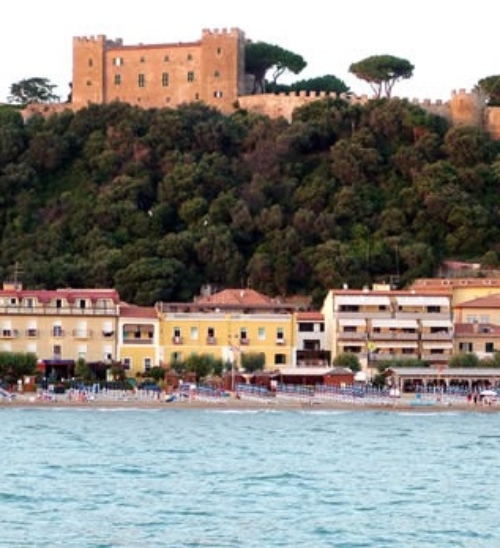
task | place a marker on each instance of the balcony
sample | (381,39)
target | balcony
(211,340)
(244,341)
(82,334)
(9,334)
(442,358)
(443,336)
(393,336)
(108,334)
(57,333)
(31,333)
(177,340)
(351,336)
(280,342)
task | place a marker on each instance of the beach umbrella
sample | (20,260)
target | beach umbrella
(488,393)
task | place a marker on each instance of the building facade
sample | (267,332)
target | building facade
(60,326)
(385,325)
(226,325)
(138,339)
(211,70)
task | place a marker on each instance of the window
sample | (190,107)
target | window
(211,336)
(194,333)
(434,309)
(166,58)
(118,61)
(29,302)
(91,62)
(57,331)
(261,334)
(465,347)
(118,79)
(306,327)
(58,303)
(216,74)
(57,351)
(190,76)
(31,332)
(89,82)
(164,79)
(127,363)
(280,336)
(142,59)
(147,364)
(82,303)
(141,80)
(219,51)
(489,347)
(484,318)
(217,94)
(279,359)
(189,57)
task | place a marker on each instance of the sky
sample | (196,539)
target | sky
(451,47)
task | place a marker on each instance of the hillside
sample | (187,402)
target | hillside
(157,202)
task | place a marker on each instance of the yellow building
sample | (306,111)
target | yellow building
(138,340)
(59,326)
(226,325)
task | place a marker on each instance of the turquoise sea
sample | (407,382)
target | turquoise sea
(103,478)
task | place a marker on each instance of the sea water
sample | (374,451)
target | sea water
(187,478)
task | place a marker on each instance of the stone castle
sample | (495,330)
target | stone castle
(211,70)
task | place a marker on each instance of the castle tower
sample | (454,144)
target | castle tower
(88,70)
(467,109)
(222,67)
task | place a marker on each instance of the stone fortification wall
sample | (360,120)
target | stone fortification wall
(283,104)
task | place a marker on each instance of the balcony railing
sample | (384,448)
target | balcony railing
(9,334)
(351,336)
(280,341)
(244,341)
(211,340)
(393,336)
(177,340)
(444,336)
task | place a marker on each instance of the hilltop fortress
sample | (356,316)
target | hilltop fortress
(210,70)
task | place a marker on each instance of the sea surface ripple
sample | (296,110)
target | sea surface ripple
(123,478)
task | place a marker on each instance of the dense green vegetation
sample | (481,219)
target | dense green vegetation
(157,202)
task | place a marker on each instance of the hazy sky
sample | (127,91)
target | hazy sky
(451,47)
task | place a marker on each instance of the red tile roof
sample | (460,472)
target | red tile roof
(45,295)
(246,297)
(310,316)
(132,311)
(488,301)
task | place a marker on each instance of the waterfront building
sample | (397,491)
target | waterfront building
(59,326)
(387,325)
(226,325)
(477,326)
(138,340)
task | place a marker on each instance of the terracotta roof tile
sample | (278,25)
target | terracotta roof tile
(488,301)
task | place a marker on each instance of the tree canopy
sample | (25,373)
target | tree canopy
(327,83)
(260,57)
(33,90)
(491,86)
(382,72)
(158,202)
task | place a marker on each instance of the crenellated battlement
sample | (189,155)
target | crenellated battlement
(234,31)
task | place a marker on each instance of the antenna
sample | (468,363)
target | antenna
(17,270)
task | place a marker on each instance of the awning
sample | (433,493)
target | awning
(395,344)
(419,300)
(437,323)
(438,346)
(395,324)
(362,300)
(352,321)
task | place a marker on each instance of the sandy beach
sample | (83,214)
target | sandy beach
(404,403)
